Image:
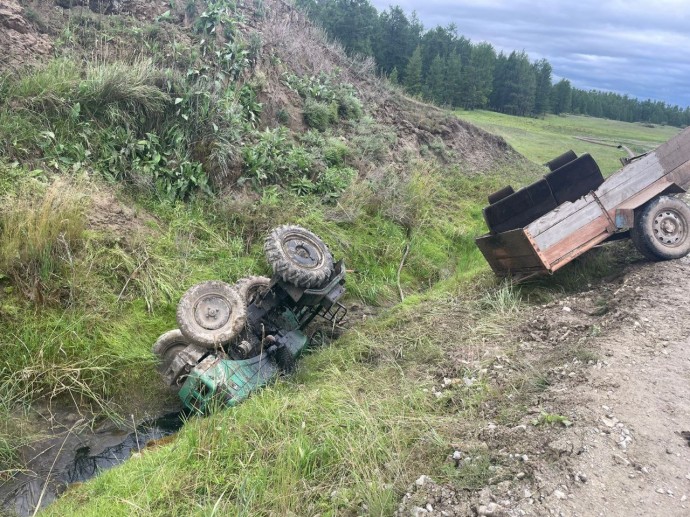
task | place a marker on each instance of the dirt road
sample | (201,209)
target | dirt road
(627,453)
(609,433)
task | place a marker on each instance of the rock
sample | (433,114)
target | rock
(567,309)
(520,475)
(581,477)
(418,512)
(687,476)
(608,422)
(621,460)
(491,510)
(684,498)
(561,447)
(660,491)
(20,43)
(560,494)
(422,480)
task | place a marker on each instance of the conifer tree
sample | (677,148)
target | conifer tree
(436,80)
(413,72)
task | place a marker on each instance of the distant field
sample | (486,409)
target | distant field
(540,140)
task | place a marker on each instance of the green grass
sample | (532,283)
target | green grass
(354,426)
(542,139)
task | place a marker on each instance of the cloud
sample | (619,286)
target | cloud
(630,47)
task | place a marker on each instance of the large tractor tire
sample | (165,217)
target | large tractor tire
(298,256)
(252,288)
(662,229)
(211,314)
(167,346)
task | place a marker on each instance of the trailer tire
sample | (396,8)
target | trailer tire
(298,256)
(211,314)
(662,229)
(167,346)
(252,288)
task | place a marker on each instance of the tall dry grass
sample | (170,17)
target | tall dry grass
(38,233)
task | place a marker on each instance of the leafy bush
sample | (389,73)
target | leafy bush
(319,115)
(334,180)
(274,159)
(151,162)
(336,152)
(327,90)
(349,107)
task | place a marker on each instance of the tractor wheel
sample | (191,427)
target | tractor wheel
(211,314)
(252,288)
(167,347)
(662,229)
(298,256)
(285,360)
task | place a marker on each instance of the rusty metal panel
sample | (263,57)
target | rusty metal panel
(510,252)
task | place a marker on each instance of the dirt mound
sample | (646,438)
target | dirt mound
(113,217)
(419,128)
(20,41)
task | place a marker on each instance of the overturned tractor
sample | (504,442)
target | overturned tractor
(231,340)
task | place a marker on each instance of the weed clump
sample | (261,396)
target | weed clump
(38,235)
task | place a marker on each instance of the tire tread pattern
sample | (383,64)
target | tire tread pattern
(286,269)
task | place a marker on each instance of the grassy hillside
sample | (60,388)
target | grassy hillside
(161,157)
(541,139)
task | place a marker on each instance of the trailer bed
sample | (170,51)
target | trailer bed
(554,239)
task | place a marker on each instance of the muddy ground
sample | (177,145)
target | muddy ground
(605,428)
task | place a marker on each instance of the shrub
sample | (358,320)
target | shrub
(319,115)
(335,179)
(336,152)
(275,160)
(349,107)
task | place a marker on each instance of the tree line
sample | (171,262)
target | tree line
(444,67)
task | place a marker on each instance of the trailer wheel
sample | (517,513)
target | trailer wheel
(211,314)
(252,288)
(298,256)
(662,229)
(167,346)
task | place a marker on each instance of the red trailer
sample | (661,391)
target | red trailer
(542,227)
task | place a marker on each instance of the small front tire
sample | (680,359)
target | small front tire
(166,348)
(252,289)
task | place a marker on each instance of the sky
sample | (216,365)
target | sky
(641,48)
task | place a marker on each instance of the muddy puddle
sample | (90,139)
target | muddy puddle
(73,454)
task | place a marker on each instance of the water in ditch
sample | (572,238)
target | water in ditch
(72,456)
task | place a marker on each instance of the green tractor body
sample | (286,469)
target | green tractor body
(229,382)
